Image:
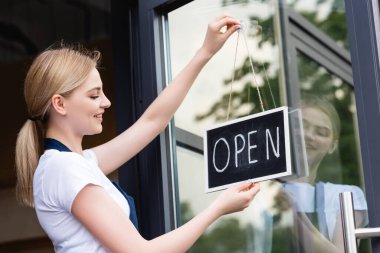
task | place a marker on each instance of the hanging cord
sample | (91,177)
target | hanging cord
(254,75)
(260,29)
(233,78)
(270,89)
(259,32)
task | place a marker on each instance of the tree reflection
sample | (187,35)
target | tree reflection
(248,95)
(226,236)
(333,24)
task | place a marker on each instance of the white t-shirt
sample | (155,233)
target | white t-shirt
(59,177)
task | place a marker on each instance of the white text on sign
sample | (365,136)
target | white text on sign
(243,143)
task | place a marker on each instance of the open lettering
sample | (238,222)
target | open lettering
(244,148)
(255,147)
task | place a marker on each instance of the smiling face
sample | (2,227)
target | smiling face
(319,136)
(86,104)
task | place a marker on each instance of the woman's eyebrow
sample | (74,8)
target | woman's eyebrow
(95,88)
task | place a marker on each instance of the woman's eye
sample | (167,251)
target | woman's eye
(324,132)
(94,97)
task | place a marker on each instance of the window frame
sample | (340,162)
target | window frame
(364,38)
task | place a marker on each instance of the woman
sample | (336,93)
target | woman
(317,203)
(77,206)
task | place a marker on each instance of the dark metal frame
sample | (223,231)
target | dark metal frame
(140,75)
(364,35)
(300,35)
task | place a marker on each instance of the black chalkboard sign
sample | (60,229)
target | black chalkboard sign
(254,148)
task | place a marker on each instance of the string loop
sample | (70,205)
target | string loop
(259,28)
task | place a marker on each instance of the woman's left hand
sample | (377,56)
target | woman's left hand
(215,38)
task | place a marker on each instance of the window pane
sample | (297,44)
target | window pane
(298,215)
(208,99)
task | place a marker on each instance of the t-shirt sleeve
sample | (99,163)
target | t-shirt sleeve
(65,181)
(360,202)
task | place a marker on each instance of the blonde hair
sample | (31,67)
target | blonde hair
(57,70)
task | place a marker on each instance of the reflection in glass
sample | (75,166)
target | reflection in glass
(334,165)
(344,165)
(329,16)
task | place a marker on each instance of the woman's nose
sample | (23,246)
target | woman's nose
(309,134)
(105,102)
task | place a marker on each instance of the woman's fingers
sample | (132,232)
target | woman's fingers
(247,192)
(237,197)
(254,190)
(244,186)
(226,21)
(215,38)
(251,190)
(247,186)
(231,30)
(230,23)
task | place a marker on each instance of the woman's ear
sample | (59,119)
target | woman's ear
(58,104)
(334,146)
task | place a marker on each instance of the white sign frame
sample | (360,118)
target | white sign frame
(288,171)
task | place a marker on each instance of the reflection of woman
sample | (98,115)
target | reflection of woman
(77,206)
(317,203)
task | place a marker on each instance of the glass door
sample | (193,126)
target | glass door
(300,55)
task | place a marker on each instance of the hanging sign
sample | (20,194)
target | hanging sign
(254,148)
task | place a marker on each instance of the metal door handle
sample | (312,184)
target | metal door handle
(350,233)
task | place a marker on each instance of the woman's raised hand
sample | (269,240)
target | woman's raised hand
(236,198)
(215,37)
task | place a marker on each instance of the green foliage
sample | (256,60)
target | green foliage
(248,95)
(282,240)
(227,236)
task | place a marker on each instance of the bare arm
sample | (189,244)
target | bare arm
(337,239)
(310,237)
(107,222)
(116,152)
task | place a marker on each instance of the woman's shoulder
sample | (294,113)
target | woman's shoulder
(61,175)
(59,159)
(332,191)
(62,158)
(55,163)
(343,187)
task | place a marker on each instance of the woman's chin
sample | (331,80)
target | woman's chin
(97,130)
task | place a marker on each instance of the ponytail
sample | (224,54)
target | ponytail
(28,151)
